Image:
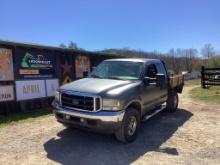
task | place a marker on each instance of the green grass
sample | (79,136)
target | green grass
(23,117)
(192,82)
(211,94)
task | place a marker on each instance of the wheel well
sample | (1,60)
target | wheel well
(178,89)
(136,105)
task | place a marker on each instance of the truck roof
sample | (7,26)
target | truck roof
(135,60)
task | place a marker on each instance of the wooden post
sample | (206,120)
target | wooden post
(203,77)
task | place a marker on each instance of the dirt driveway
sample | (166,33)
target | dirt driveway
(189,136)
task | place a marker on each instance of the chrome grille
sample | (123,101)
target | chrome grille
(80,101)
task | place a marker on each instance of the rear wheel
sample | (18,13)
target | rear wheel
(129,127)
(172,102)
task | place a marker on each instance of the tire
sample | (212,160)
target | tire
(125,133)
(172,102)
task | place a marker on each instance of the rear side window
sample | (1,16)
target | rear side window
(160,68)
(151,71)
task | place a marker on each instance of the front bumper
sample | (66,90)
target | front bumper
(102,121)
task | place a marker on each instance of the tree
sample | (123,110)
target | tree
(174,56)
(208,51)
(214,62)
(72,45)
(189,56)
(62,45)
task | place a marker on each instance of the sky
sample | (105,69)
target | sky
(148,25)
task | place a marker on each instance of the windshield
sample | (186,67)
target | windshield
(124,70)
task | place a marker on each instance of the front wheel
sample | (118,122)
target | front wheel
(172,102)
(129,127)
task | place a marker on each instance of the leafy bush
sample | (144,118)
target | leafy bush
(214,62)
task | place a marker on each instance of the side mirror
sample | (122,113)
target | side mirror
(160,80)
(85,74)
(146,81)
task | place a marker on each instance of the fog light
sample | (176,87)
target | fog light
(82,120)
(67,117)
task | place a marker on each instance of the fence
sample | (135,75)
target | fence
(210,76)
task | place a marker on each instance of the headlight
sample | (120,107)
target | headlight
(111,104)
(57,96)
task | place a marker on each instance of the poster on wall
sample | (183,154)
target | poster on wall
(82,64)
(6,93)
(34,64)
(6,65)
(32,89)
(51,86)
(66,72)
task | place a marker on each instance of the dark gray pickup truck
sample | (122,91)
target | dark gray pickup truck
(117,95)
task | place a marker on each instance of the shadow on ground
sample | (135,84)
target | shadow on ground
(79,147)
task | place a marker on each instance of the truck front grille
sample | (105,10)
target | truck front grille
(80,102)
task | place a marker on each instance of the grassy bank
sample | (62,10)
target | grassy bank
(23,117)
(211,94)
(192,82)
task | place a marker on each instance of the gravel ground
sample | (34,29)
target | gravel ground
(189,136)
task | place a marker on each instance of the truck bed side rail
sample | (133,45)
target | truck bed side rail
(176,83)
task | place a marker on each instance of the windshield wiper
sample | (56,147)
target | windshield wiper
(95,76)
(115,78)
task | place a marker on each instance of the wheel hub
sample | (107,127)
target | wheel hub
(132,125)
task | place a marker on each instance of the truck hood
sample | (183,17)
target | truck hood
(95,85)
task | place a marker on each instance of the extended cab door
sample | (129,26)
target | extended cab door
(154,95)
(150,91)
(163,92)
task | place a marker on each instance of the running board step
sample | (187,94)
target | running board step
(152,113)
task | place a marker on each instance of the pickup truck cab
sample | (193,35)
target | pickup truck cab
(117,95)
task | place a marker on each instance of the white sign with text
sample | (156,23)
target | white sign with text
(32,89)
(6,93)
(52,85)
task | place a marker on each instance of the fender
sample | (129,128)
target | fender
(135,101)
